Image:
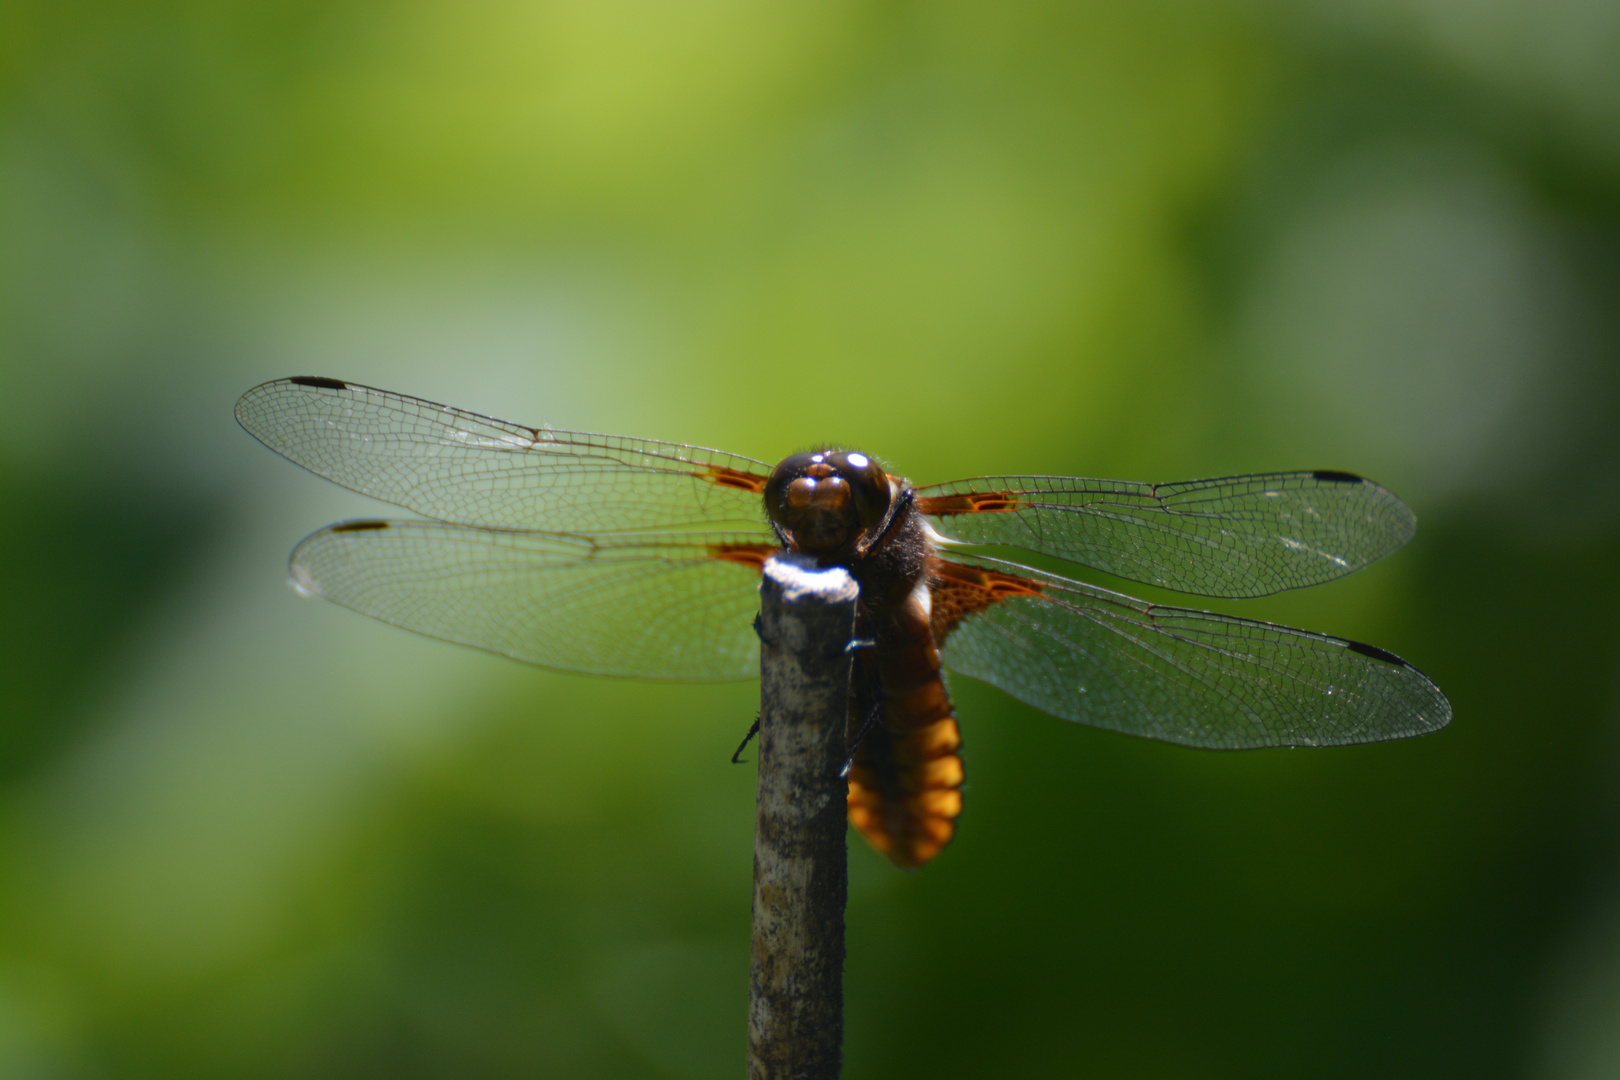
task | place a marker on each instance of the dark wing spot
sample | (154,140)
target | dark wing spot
(363,525)
(1375,652)
(1335,476)
(319,381)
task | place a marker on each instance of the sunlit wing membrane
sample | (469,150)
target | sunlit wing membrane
(457,466)
(1238,536)
(1191,677)
(677,606)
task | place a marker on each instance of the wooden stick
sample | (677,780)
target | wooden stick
(801,867)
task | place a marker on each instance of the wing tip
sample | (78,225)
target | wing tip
(301,574)
(1435,714)
(301,581)
(1394,508)
(245,404)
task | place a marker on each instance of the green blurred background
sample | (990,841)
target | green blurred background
(244,835)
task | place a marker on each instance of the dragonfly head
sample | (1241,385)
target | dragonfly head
(826,499)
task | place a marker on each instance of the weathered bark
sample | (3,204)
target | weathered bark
(801,869)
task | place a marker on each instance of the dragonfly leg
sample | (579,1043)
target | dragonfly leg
(736,759)
(873,714)
(759,631)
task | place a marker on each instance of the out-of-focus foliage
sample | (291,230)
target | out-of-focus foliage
(247,836)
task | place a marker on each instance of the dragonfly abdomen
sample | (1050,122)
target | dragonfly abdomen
(905,785)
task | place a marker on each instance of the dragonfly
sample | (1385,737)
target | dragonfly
(637,558)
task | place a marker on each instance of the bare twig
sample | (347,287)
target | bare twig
(801,872)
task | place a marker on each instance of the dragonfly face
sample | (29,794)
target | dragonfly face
(825,502)
(631,557)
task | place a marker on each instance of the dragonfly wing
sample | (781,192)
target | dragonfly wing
(1237,536)
(452,465)
(1182,676)
(677,606)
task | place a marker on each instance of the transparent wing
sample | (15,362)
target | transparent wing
(1190,677)
(1237,536)
(458,466)
(678,606)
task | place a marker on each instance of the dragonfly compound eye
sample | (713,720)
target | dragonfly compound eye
(869,485)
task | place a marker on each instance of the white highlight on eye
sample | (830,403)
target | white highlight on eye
(817,458)
(860,461)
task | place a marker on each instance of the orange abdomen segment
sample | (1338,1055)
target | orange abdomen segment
(905,785)
(909,814)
